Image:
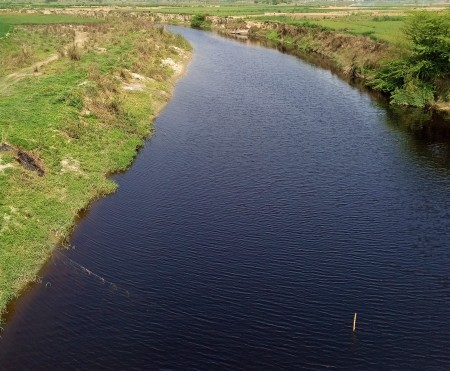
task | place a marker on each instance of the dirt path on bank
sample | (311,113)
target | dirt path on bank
(8,81)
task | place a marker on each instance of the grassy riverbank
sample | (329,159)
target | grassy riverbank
(357,40)
(400,51)
(407,58)
(76,101)
(376,27)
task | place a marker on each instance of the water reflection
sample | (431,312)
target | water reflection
(429,132)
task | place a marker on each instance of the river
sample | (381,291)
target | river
(273,202)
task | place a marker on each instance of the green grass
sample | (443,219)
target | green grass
(26,45)
(29,37)
(381,28)
(4,28)
(237,10)
(45,19)
(74,111)
(9,20)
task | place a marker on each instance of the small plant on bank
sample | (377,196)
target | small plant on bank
(74,52)
(25,56)
(61,52)
(4,137)
(200,22)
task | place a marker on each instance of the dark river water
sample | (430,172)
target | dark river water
(273,202)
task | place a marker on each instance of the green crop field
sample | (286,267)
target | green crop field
(379,27)
(238,10)
(9,20)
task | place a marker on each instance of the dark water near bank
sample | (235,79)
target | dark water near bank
(273,202)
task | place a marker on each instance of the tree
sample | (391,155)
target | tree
(429,34)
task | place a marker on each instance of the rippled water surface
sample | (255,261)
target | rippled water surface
(272,203)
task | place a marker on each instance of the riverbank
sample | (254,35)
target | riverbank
(69,120)
(408,70)
(367,44)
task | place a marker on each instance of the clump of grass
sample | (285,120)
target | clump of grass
(74,52)
(200,21)
(74,129)
(124,74)
(384,18)
(4,136)
(25,55)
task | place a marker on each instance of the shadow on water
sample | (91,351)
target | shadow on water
(428,133)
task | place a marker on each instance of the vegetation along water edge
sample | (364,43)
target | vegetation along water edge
(79,86)
(77,98)
(402,52)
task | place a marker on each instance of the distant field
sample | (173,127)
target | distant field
(8,20)
(379,27)
(267,9)
(382,22)
(239,10)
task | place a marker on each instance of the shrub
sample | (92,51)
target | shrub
(414,93)
(200,21)
(412,80)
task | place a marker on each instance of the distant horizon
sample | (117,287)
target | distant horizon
(229,2)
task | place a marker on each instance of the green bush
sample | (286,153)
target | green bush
(412,80)
(200,21)
(272,35)
(385,18)
(414,93)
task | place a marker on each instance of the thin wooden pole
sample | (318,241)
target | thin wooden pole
(354,322)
